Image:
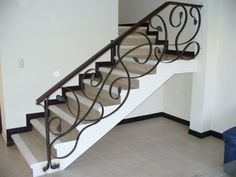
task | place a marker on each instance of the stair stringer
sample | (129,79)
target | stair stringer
(91,135)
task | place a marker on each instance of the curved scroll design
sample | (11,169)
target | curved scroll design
(183,18)
(152,54)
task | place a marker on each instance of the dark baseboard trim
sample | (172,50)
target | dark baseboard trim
(55,102)
(155,115)
(103,64)
(31,116)
(176,119)
(199,135)
(216,134)
(206,134)
(186,53)
(10,132)
(140,118)
(27,128)
(64,90)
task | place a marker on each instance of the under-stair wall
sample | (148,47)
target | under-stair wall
(167,98)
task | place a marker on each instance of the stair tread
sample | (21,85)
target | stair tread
(62,111)
(144,46)
(62,114)
(41,129)
(122,29)
(31,145)
(80,95)
(123,83)
(136,35)
(129,59)
(83,99)
(106,87)
(103,99)
(128,27)
(118,72)
(39,125)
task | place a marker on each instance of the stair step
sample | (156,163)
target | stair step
(62,111)
(123,83)
(118,72)
(122,29)
(137,39)
(39,125)
(104,96)
(142,60)
(32,146)
(137,68)
(41,129)
(141,51)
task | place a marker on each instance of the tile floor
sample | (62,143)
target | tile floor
(151,148)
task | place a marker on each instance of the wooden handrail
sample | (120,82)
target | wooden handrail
(108,47)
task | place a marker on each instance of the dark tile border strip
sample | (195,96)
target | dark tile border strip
(31,116)
(140,118)
(176,119)
(199,135)
(206,134)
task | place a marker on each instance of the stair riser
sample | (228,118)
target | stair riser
(123,83)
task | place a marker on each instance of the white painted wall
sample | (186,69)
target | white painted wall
(213,106)
(224,107)
(48,35)
(177,96)
(173,97)
(140,8)
(2,101)
(199,120)
(152,105)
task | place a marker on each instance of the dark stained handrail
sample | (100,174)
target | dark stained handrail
(108,47)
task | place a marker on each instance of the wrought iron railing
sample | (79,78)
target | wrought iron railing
(170,43)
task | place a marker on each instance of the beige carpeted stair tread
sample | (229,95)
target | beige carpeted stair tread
(123,83)
(62,111)
(138,68)
(101,99)
(119,72)
(104,96)
(39,125)
(136,39)
(142,50)
(53,127)
(32,146)
(122,29)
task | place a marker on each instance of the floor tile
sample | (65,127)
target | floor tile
(152,148)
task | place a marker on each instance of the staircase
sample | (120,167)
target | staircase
(83,113)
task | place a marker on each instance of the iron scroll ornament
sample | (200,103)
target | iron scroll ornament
(154,53)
